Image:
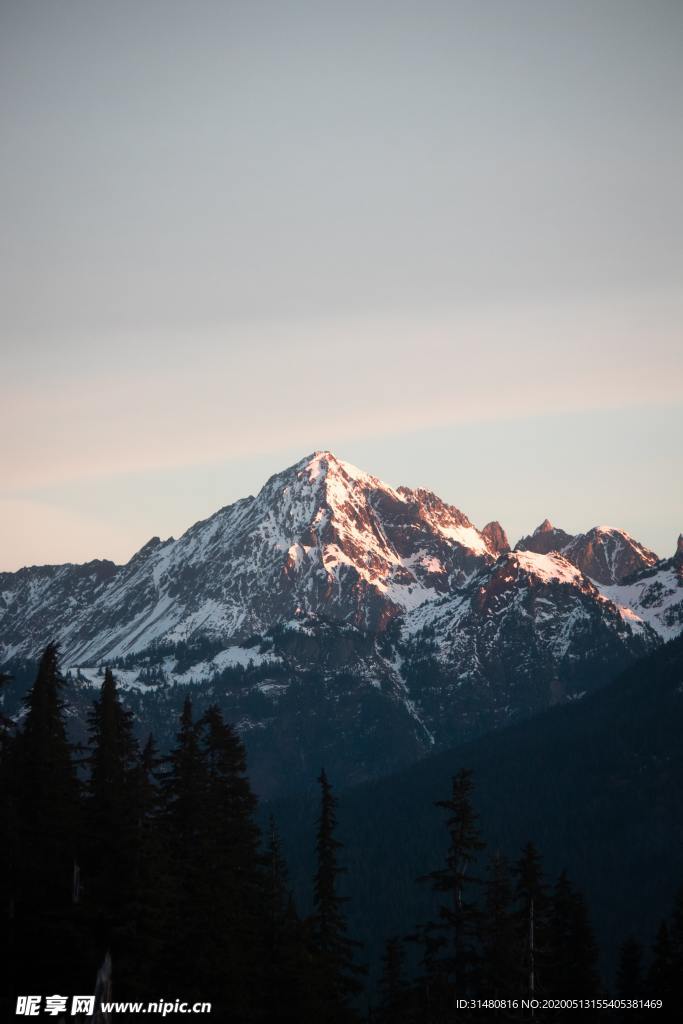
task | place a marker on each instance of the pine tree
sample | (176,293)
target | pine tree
(112,824)
(46,799)
(458,918)
(532,921)
(6,725)
(9,853)
(183,830)
(234,940)
(432,993)
(394,1005)
(499,947)
(677,949)
(285,951)
(338,975)
(630,980)
(153,889)
(630,983)
(279,892)
(661,976)
(572,953)
(184,784)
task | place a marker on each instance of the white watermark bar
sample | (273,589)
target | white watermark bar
(56,1005)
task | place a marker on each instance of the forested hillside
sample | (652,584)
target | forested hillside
(595,784)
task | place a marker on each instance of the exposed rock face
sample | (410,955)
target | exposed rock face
(608,555)
(339,620)
(496,537)
(40,602)
(605,554)
(544,539)
(321,538)
(528,631)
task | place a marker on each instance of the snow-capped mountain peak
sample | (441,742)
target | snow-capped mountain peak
(285,598)
(320,538)
(608,555)
(605,554)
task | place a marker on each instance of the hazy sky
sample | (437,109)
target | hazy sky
(441,238)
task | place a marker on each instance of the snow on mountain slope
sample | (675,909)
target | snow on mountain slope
(527,632)
(547,592)
(338,620)
(653,597)
(608,555)
(42,601)
(605,554)
(321,538)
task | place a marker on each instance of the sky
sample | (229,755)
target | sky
(440,238)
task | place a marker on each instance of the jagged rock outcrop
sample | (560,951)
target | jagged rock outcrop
(544,539)
(608,555)
(496,537)
(320,538)
(338,619)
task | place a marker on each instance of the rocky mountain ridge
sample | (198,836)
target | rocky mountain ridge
(332,610)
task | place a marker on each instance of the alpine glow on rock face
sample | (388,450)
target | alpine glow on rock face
(408,586)
(320,538)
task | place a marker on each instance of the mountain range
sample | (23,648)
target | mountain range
(338,619)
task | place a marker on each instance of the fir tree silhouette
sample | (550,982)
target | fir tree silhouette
(338,975)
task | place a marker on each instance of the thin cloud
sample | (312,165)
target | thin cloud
(252,390)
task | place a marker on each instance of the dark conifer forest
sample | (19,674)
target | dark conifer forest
(159,870)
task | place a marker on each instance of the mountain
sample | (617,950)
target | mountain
(528,632)
(544,539)
(654,595)
(496,537)
(606,555)
(595,784)
(320,538)
(339,620)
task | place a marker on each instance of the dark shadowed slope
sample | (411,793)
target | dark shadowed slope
(597,784)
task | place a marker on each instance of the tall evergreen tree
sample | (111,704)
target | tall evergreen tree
(677,948)
(432,991)
(572,953)
(661,975)
(630,983)
(277,875)
(338,975)
(183,829)
(112,824)
(394,1005)
(46,799)
(237,910)
(532,921)
(630,980)
(500,961)
(458,916)
(153,884)
(5,722)
(9,853)
(286,960)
